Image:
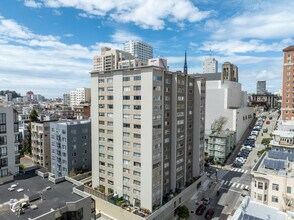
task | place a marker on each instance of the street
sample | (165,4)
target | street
(231,183)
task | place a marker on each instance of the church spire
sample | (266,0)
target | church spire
(185,64)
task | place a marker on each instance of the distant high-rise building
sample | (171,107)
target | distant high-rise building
(287,109)
(229,72)
(9,143)
(210,65)
(147,133)
(140,50)
(261,87)
(109,59)
(80,95)
(66,99)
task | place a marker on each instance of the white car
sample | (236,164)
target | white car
(11,189)
(206,201)
(20,190)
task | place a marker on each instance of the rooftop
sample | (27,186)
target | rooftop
(278,163)
(32,184)
(285,134)
(287,49)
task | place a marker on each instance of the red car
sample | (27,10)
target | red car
(209,214)
(200,209)
(267,122)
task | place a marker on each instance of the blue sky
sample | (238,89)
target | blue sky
(47,46)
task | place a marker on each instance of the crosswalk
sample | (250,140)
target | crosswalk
(236,185)
(220,174)
(239,170)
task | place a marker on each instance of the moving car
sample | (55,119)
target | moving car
(209,214)
(200,209)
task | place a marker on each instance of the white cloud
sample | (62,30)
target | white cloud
(274,20)
(233,46)
(121,36)
(32,4)
(29,60)
(145,13)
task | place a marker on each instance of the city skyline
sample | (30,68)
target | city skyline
(50,44)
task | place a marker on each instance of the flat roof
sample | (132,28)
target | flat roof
(31,183)
(261,168)
(286,134)
(258,211)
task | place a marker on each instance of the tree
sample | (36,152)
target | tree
(266,141)
(182,212)
(218,124)
(33,116)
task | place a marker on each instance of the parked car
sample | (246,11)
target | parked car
(265,130)
(270,118)
(267,122)
(200,209)
(206,201)
(209,214)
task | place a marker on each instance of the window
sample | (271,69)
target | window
(125,125)
(126,152)
(137,117)
(109,115)
(110,106)
(126,188)
(109,80)
(289,189)
(137,164)
(136,182)
(110,123)
(126,143)
(101,155)
(136,173)
(126,179)
(275,199)
(137,107)
(137,97)
(275,187)
(259,197)
(126,88)
(101,147)
(126,116)
(157,78)
(126,134)
(110,148)
(126,97)
(110,97)
(110,88)
(110,157)
(137,135)
(137,126)
(136,145)
(126,78)
(3,140)
(126,107)
(125,170)
(125,161)
(137,78)
(100,89)
(100,80)
(137,88)
(260,185)
(136,154)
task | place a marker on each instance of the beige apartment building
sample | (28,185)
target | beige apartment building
(147,133)
(287,110)
(41,150)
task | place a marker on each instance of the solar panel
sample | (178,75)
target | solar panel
(274,164)
(281,155)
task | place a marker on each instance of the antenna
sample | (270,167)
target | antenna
(210,49)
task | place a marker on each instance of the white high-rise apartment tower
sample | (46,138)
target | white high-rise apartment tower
(147,133)
(210,65)
(80,95)
(9,143)
(140,50)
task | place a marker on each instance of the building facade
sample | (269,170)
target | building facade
(140,50)
(261,87)
(287,110)
(229,72)
(70,147)
(80,95)
(266,100)
(147,133)
(66,99)
(40,141)
(210,65)
(231,102)
(220,145)
(9,142)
